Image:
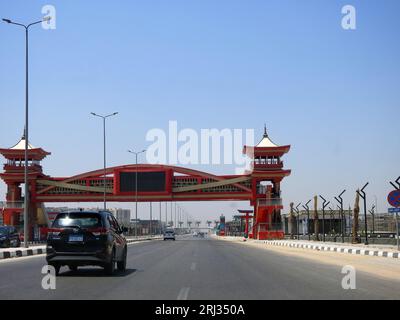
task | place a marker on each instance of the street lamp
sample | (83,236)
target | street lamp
(26,197)
(104,152)
(363,195)
(298,217)
(339,199)
(324,204)
(306,207)
(136,191)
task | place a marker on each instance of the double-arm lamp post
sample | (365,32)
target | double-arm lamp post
(26,132)
(104,153)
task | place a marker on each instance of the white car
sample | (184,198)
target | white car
(169,235)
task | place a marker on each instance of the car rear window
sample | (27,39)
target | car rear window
(80,219)
(3,231)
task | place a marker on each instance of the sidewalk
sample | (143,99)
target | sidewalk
(358,249)
(6,253)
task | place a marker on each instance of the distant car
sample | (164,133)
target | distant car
(86,238)
(9,237)
(169,235)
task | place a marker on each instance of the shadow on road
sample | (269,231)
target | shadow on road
(95,272)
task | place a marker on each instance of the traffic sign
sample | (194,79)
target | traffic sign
(394,198)
(394,210)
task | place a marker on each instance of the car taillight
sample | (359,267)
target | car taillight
(98,231)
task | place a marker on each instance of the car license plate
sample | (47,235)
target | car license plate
(76,238)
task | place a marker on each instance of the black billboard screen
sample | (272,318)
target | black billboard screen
(146,181)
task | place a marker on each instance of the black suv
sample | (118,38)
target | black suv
(9,237)
(86,238)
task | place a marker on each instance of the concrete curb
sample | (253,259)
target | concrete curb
(324,247)
(23,252)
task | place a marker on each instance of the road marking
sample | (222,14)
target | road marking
(183,294)
(193,266)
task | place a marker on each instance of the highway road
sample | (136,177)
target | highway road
(195,269)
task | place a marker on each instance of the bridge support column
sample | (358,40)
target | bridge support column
(264,227)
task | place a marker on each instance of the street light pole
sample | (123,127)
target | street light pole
(298,217)
(160,220)
(136,189)
(324,204)
(151,218)
(26,132)
(306,207)
(339,199)
(104,154)
(363,195)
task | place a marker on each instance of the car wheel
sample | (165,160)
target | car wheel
(109,268)
(18,243)
(121,265)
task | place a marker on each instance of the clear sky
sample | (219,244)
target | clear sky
(333,94)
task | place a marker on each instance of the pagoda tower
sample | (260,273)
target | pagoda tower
(13,176)
(267,172)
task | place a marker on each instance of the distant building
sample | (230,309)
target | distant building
(123,216)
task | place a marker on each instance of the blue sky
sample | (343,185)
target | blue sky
(330,93)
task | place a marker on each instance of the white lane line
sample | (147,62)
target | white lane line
(183,294)
(193,266)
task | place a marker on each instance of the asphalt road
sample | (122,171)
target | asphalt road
(195,269)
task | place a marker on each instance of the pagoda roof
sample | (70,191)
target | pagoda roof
(266,142)
(18,150)
(21,145)
(266,146)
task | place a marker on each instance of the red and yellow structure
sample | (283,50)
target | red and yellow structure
(260,185)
